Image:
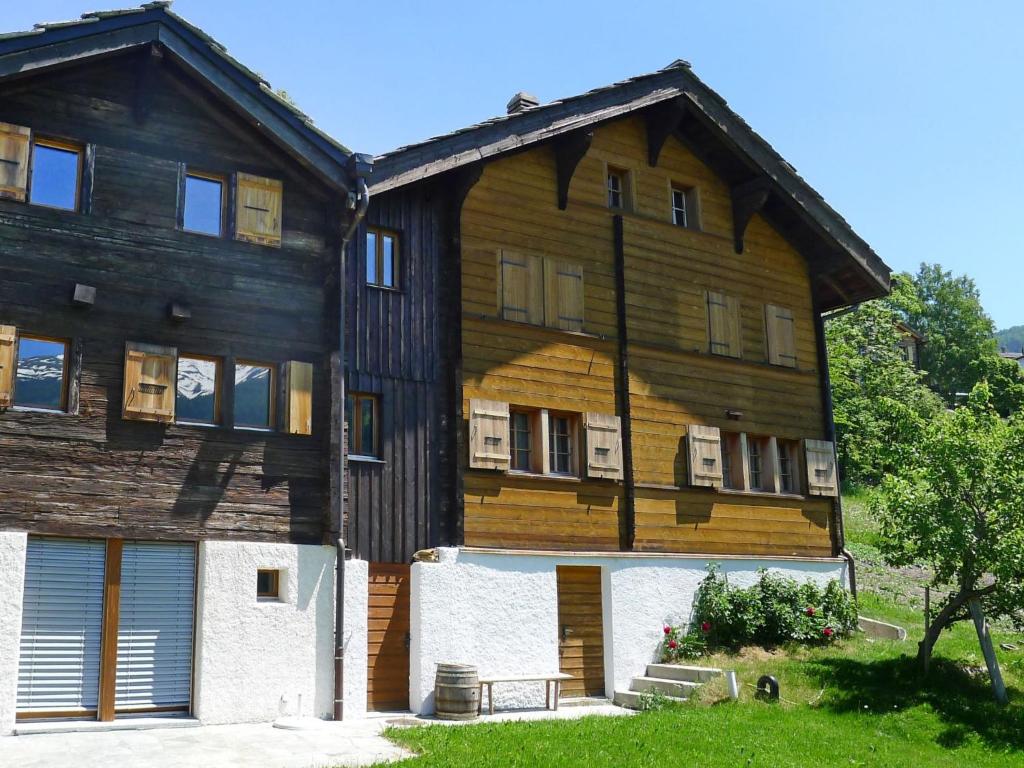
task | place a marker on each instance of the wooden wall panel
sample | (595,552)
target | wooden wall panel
(92,473)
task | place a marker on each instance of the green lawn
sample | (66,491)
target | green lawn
(855,703)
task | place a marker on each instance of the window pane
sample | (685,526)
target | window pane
(196,398)
(521,442)
(560,451)
(40,378)
(371,258)
(54,177)
(203,205)
(366,443)
(252,396)
(388,261)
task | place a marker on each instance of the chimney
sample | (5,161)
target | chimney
(521,102)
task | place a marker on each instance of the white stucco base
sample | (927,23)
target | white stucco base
(499,612)
(256,660)
(12,589)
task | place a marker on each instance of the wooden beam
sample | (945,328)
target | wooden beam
(145,82)
(989,652)
(570,148)
(747,199)
(111,619)
(662,120)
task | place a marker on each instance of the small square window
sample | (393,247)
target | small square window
(56,173)
(203,204)
(41,379)
(361,423)
(268,584)
(254,395)
(684,207)
(618,189)
(197,399)
(381,258)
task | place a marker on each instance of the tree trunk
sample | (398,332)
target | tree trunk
(943,620)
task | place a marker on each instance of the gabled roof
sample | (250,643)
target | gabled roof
(101,33)
(846,267)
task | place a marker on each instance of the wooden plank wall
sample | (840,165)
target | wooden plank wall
(396,506)
(94,473)
(673,380)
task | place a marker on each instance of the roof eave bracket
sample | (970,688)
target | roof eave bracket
(748,198)
(570,148)
(662,120)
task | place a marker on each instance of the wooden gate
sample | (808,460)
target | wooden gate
(581,638)
(388,664)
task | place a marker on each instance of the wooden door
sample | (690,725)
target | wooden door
(388,674)
(581,630)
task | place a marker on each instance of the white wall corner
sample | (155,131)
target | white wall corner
(13,546)
(356,634)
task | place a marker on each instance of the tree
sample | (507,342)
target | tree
(880,401)
(957,503)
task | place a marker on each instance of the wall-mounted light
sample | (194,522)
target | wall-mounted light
(179,313)
(734,415)
(84,295)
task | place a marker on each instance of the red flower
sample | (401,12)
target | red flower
(668,630)
(705,627)
(673,644)
(827,632)
(810,610)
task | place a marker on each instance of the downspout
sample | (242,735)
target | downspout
(359,166)
(830,434)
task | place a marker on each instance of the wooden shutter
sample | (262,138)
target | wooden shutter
(604,446)
(299,391)
(778,324)
(258,209)
(822,478)
(705,456)
(563,295)
(521,287)
(723,324)
(15,146)
(489,435)
(149,382)
(8,364)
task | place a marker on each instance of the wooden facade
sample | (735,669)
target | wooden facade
(90,470)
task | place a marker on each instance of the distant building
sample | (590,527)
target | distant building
(910,344)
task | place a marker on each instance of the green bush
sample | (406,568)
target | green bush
(775,610)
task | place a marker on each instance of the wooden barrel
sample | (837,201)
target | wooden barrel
(456,692)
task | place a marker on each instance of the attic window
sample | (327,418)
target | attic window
(618,189)
(56,172)
(684,207)
(381,258)
(203,210)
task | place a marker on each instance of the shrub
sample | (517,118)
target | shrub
(679,644)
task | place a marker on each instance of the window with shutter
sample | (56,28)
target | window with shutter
(604,446)
(723,324)
(258,209)
(822,478)
(8,363)
(300,398)
(15,142)
(149,382)
(563,295)
(521,287)
(779,325)
(705,445)
(489,434)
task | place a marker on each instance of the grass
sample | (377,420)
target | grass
(857,702)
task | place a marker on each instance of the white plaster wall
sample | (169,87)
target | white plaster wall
(256,660)
(12,591)
(356,628)
(499,612)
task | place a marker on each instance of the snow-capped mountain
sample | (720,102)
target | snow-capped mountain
(40,368)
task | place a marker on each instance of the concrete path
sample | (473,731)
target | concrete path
(356,743)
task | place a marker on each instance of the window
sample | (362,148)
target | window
(788,466)
(381,258)
(684,207)
(361,422)
(56,173)
(268,584)
(618,189)
(732,461)
(561,436)
(41,379)
(723,324)
(522,441)
(203,210)
(755,465)
(197,394)
(779,335)
(541,291)
(254,395)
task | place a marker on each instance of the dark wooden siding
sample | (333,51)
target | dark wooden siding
(92,472)
(397,506)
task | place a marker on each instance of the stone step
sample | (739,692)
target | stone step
(679,688)
(682,672)
(633,699)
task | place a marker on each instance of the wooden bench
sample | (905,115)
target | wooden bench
(554,679)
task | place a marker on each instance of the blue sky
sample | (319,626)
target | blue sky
(906,115)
